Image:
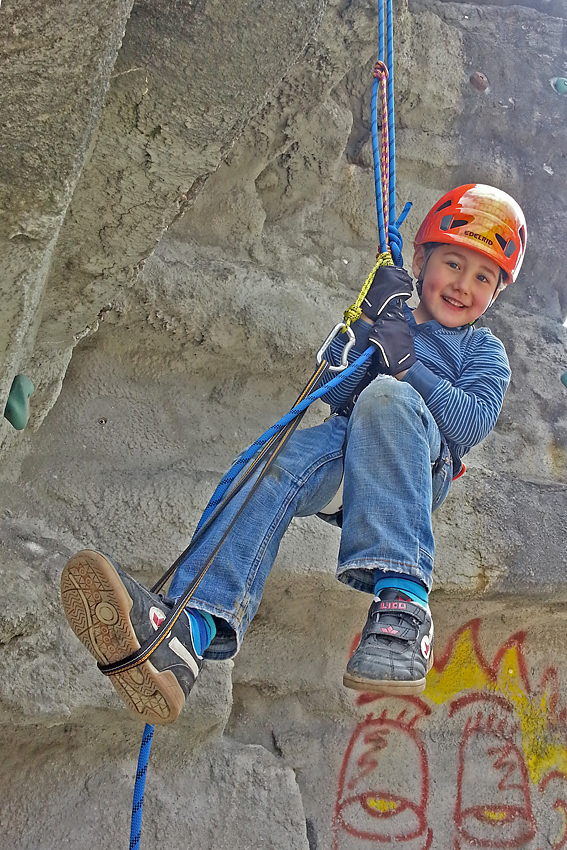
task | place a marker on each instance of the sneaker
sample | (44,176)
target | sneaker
(113,615)
(396,648)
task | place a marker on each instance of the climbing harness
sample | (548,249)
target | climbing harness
(262,453)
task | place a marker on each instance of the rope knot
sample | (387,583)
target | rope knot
(396,244)
(380,70)
(354,312)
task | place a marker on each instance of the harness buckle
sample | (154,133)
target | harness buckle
(348,345)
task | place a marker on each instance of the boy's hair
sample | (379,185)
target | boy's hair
(482,218)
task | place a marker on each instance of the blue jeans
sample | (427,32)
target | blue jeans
(387,449)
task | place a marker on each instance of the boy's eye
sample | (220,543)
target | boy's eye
(453,264)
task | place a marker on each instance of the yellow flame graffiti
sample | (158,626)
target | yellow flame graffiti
(464,672)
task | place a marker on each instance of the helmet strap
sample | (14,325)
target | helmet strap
(419,282)
(500,285)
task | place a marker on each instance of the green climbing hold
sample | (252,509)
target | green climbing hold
(559,84)
(17,408)
(564,379)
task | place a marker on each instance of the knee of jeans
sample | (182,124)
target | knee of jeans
(386,393)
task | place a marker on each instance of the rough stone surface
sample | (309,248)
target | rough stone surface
(185,83)
(186,208)
(243,782)
(56,63)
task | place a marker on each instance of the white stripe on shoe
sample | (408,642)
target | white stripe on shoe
(177,647)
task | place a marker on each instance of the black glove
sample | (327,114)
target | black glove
(389,283)
(391,336)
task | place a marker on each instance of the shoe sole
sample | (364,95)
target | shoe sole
(390,687)
(97,606)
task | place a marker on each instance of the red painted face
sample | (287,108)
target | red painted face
(458,286)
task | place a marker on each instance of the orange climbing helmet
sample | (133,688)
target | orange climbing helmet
(482,218)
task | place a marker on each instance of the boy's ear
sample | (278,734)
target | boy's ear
(418,258)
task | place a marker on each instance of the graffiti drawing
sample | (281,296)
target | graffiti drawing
(384,781)
(493,806)
(509,765)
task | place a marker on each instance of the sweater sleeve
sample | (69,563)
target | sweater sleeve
(340,395)
(466,410)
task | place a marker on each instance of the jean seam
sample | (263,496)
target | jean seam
(425,416)
(299,483)
(257,560)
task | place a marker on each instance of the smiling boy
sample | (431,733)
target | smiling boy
(396,437)
(469,247)
(461,285)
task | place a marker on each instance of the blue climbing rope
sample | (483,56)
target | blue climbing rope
(139,787)
(382,238)
(391,127)
(389,237)
(389,240)
(253,449)
(224,484)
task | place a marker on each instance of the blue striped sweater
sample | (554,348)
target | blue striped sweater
(461,374)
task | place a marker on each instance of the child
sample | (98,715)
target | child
(397,433)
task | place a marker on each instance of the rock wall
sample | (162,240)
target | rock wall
(187,207)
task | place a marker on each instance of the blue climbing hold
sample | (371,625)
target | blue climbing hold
(17,408)
(559,84)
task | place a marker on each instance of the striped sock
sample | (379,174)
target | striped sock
(414,589)
(203,629)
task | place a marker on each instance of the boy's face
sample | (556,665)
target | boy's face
(459,285)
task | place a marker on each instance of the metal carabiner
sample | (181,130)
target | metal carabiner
(348,345)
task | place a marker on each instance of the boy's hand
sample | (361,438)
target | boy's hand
(391,336)
(389,283)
